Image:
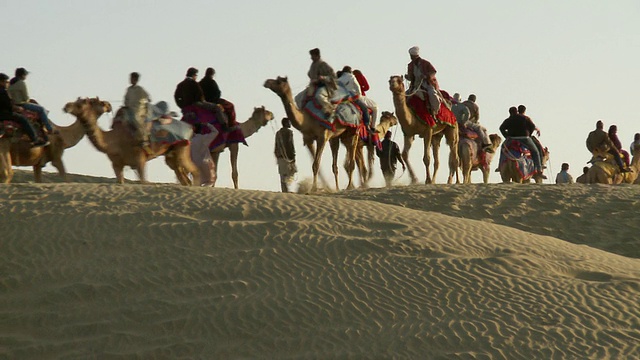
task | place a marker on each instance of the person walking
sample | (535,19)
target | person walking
(389,156)
(285,155)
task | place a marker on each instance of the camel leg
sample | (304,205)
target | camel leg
(426,158)
(485,176)
(119,170)
(453,139)
(322,141)
(6,171)
(334,145)
(233,151)
(140,165)
(59,165)
(215,156)
(37,173)
(408,141)
(371,158)
(362,167)
(436,139)
(350,162)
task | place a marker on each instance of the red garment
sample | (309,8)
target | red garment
(425,67)
(364,84)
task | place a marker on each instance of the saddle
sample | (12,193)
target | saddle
(14,129)
(420,109)
(514,150)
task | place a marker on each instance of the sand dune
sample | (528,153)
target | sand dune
(95,270)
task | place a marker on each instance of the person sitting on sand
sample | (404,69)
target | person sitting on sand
(563,176)
(582,179)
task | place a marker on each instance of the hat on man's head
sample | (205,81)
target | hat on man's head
(315,52)
(387,135)
(3,76)
(21,71)
(414,51)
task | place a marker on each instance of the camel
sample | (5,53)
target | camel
(123,150)
(412,126)
(607,171)
(509,171)
(387,120)
(467,164)
(258,119)
(6,171)
(314,135)
(22,154)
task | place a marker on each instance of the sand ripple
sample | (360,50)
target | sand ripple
(107,271)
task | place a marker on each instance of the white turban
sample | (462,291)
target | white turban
(414,51)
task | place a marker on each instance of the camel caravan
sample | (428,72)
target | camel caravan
(333,108)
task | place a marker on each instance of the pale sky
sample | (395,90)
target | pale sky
(571,62)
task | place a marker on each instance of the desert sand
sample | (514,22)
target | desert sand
(95,270)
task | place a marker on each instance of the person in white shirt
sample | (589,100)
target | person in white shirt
(136,101)
(347,80)
(563,176)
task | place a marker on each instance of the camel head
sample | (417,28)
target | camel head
(544,155)
(262,115)
(86,109)
(388,117)
(495,140)
(279,85)
(396,84)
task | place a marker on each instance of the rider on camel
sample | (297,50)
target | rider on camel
(598,140)
(212,94)
(519,127)
(471,122)
(9,111)
(20,95)
(351,84)
(188,92)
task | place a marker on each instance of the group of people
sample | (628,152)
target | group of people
(189,92)
(600,142)
(519,126)
(353,81)
(15,100)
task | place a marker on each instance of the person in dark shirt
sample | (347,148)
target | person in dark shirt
(213,95)
(210,87)
(8,112)
(389,156)
(188,91)
(519,127)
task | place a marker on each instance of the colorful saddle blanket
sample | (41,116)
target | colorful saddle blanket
(347,113)
(610,169)
(419,109)
(14,129)
(170,131)
(195,115)
(514,150)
